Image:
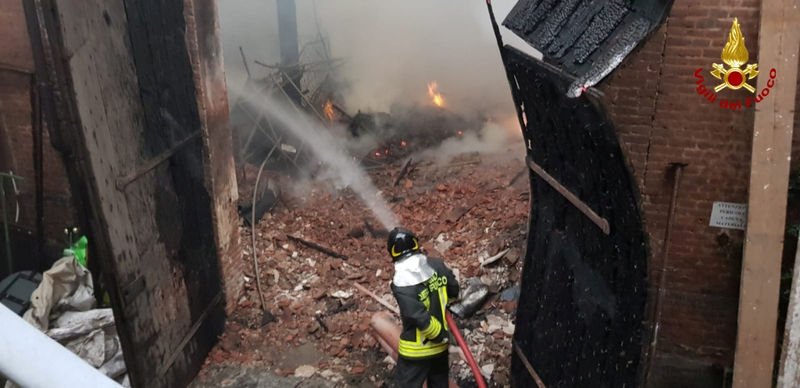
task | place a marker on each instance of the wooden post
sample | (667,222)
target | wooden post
(779,39)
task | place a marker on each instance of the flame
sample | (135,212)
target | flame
(735,53)
(327,110)
(436,97)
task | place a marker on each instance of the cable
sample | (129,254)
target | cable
(253,223)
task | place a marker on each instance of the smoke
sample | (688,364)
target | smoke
(494,138)
(392,50)
(327,148)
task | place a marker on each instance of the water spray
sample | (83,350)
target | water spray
(327,149)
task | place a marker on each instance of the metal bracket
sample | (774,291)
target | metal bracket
(601,222)
(124,180)
(190,334)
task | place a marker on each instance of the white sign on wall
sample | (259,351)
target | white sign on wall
(729,215)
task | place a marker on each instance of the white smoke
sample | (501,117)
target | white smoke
(494,138)
(326,148)
(391,49)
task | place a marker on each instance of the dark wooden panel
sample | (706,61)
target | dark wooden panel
(127,94)
(581,313)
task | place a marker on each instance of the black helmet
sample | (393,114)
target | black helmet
(401,241)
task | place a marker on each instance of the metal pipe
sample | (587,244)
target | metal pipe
(678,172)
(7,239)
(32,359)
(6,236)
(253,225)
(38,163)
(244,61)
(302,96)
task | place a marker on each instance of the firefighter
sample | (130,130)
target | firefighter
(422,287)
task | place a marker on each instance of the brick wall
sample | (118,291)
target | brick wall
(661,120)
(16,133)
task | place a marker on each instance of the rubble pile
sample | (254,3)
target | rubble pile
(317,323)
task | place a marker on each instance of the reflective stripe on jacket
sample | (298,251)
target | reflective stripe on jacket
(422,310)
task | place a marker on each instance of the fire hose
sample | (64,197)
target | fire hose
(463,345)
(389,335)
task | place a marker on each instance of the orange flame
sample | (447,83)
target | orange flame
(436,97)
(327,109)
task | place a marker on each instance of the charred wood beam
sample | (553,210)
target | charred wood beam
(342,112)
(601,222)
(404,171)
(516,178)
(316,247)
(378,232)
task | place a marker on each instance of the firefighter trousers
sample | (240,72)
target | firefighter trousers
(412,373)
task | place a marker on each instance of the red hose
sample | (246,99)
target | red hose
(463,345)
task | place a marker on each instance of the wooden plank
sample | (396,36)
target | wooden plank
(601,222)
(99,96)
(205,53)
(528,366)
(789,374)
(156,240)
(779,39)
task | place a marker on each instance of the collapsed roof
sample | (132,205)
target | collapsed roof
(586,39)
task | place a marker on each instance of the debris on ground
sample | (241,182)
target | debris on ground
(475,293)
(63,307)
(466,213)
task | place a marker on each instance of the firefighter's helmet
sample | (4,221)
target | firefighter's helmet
(401,242)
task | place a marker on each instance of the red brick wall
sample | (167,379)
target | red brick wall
(16,133)
(661,119)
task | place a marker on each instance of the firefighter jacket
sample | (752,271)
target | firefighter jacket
(422,287)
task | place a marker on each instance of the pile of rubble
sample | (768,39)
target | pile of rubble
(317,242)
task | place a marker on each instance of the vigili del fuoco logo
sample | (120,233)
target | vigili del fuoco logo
(734,77)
